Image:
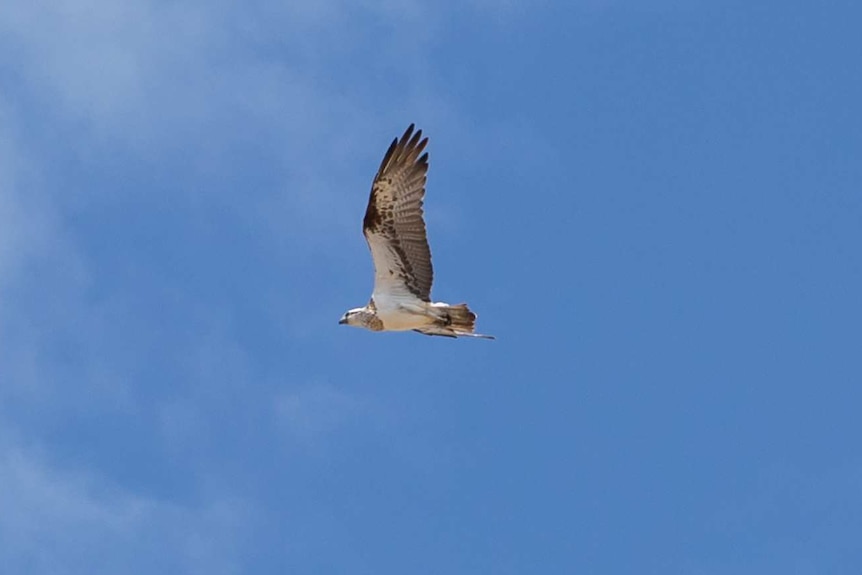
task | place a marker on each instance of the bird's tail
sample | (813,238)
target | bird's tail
(454,321)
(460,318)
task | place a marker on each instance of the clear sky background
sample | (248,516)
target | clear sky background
(654,205)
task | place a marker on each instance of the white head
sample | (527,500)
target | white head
(353,317)
(362,317)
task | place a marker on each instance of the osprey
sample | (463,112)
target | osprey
(395,232)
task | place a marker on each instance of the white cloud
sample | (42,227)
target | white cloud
(67,522)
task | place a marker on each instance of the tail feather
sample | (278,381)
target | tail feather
(454,321)
(460,317)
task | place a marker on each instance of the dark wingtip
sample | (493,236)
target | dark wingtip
(414,141)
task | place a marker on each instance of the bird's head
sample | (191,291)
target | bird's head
(353,317)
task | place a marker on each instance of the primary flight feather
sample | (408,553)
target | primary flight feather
(394,228)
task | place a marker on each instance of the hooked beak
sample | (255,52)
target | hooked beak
(342,321)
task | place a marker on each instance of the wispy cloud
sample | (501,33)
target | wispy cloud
(27,222)
(55,521)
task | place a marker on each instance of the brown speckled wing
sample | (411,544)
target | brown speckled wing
(394,226)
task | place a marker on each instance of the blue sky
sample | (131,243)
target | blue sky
(655,206)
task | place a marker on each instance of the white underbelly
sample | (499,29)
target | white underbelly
(400,320)
(402,315)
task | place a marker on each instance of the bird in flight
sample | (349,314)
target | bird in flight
(395,231)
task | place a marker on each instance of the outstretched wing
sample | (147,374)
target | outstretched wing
(393,225)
